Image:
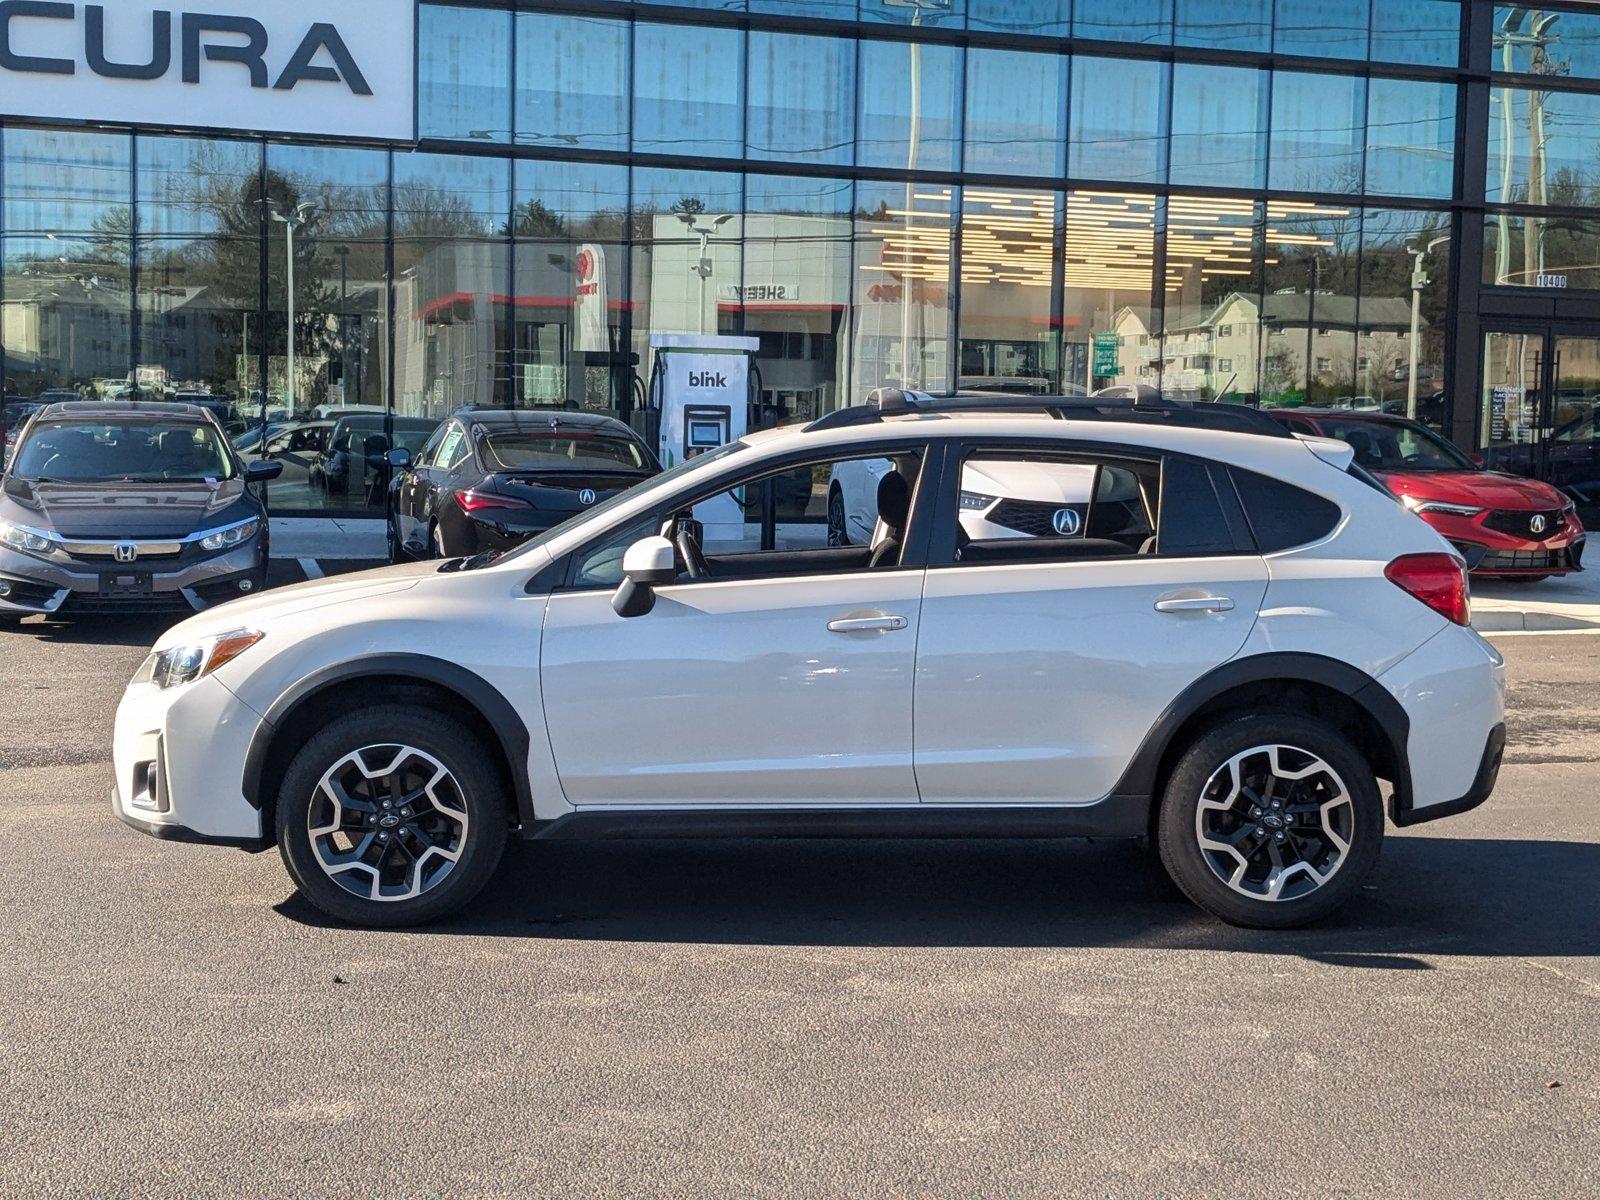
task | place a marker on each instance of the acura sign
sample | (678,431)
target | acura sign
(342,67)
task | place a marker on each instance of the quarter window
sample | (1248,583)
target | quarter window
(1281,515)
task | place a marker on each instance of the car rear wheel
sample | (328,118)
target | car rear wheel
(391,816)
(1271,821)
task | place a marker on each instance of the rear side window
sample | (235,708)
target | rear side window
(1281,515)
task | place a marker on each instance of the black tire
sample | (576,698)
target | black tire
(1200,768)
(474,786)
(838,533)
(397,553)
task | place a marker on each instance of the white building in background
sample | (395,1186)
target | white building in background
(1248,346)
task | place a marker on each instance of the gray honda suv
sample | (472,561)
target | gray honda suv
(128,506)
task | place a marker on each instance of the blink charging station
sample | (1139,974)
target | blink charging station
(700,389)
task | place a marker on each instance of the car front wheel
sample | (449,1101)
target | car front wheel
(838,535)
(1271,822)
(391,816)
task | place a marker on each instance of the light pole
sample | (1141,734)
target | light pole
(704,267)
(344,329)
(301,217)
(1419,280)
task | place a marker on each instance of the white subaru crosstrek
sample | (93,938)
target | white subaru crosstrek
(1245,659)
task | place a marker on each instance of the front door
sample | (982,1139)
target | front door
(776,671)
(1541,390)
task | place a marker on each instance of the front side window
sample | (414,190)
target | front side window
(124,452)
(448,452)
(827,516)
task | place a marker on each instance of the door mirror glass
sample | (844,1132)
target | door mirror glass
(647,563)
(400,459)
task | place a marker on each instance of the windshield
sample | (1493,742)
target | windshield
(668,478)
(1392,446)
(561,452)
(124,452)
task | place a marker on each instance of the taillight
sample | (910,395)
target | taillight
(478,501)
(1438,580)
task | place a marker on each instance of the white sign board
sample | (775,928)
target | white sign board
(344,67)
(591,299)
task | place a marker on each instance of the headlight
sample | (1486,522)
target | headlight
(1419,506)
(19,537)
(225,539)
(183,664)
(975,501)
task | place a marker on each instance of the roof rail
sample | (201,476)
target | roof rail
(1128,404)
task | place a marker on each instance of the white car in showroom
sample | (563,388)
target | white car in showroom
(1249,658)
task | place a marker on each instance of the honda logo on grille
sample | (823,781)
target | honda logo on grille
(125,551)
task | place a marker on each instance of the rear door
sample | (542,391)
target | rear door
(1044,661)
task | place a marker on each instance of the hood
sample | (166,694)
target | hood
(1481,489)
(123,510)
(1043,482)
(261,610)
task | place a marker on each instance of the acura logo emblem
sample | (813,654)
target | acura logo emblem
(1066,521)
(586,496)
(1537,523)
(125,551)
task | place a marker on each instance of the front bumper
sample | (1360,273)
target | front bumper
(39,585)
(179,755)
(1492,552)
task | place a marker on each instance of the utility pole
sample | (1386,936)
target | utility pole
(299,219)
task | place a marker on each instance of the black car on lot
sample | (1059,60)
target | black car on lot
(487,480)
(127,505)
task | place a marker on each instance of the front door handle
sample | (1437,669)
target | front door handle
(867,625)
(1183,604)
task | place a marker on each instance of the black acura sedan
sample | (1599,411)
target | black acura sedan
(488,480)
(126,505)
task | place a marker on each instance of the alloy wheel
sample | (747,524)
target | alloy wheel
(387,822)
(1275,823)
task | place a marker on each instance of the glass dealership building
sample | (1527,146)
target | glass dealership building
(1377,204)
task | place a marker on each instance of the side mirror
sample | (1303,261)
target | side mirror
(647,563)
(260,471)
(400,459)
(1477,459)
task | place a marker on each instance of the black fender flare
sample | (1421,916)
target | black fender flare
(1365,692)
(502,717)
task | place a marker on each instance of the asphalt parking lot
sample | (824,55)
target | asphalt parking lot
(792,1017)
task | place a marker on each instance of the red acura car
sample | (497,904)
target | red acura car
(1503,525)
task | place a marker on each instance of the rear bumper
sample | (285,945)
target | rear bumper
(1482,786)
(1453,691)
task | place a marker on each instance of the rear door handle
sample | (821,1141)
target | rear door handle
(867,624)
(1183,604)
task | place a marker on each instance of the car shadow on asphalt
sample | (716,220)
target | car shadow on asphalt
(133,629)
(1430,896)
